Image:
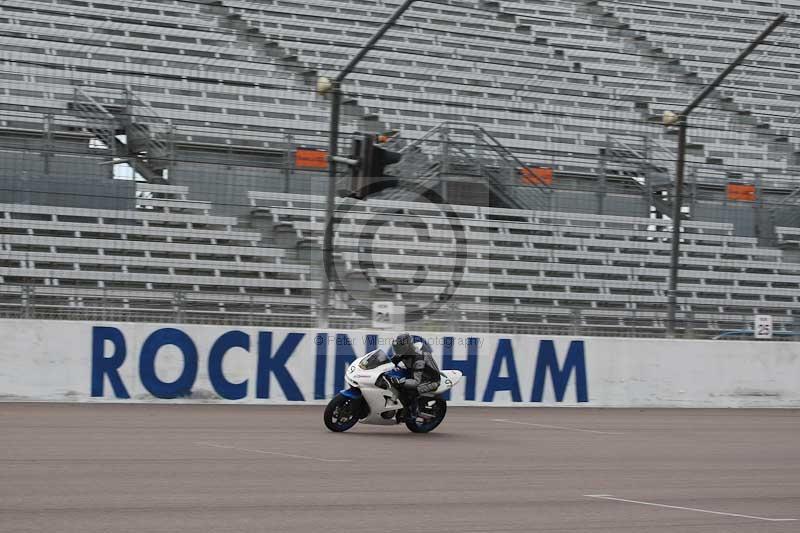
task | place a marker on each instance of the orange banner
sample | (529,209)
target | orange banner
(311,159)
(536,175)
(741,193)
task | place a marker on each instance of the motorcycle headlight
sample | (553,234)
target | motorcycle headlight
(362,364)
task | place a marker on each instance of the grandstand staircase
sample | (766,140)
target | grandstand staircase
(129,127)
(777,143)
(463,152)
(651,163)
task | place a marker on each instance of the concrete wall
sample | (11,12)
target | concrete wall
(85,361)
(741,214)
(227,186)
(65,157)
(69,191)
(572,201)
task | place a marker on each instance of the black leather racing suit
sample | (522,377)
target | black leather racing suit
(426,376)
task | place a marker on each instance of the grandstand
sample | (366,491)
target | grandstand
(169,259)
(206,103)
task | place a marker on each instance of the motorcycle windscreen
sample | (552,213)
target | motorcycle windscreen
(374,360)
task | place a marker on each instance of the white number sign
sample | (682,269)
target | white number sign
(763,327)
(382,315)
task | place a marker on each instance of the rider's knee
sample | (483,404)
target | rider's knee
(411,384)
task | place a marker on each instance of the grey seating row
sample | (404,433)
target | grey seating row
(169,246)
(442,63)
(275,14)
(526,259)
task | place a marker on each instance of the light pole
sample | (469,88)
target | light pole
(334,88)
(681,121)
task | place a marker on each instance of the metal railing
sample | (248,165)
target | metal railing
(129,127)
(459,148)
(52,303)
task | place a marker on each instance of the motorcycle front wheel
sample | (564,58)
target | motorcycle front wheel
(341,413)
(431,412)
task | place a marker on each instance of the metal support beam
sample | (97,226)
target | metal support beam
(370,44)
(288,168)
(677,205)
(328,273)
(681,121)
(736,62)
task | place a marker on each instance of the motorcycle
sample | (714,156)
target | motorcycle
(373,397)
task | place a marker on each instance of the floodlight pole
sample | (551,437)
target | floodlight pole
(681,121)
(333,147)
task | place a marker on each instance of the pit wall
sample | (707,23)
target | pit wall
(124,362)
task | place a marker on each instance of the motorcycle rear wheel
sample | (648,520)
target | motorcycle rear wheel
(434,407)
(341,413)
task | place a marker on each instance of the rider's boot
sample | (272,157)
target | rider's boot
(413,406)
(410,403)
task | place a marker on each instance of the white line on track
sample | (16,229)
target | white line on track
(612,498)
(546,426)
(266,452)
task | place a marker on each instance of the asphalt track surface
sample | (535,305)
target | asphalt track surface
(227,468)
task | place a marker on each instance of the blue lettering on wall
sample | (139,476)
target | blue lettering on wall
(107,366)
(147,363)
(276,365)
(370,344)
(109,352)
(425,346)
(547,360)
(468,366)
(504,353)
(345,354)
(223,387)
(321,366)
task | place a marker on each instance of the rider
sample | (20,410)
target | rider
(426,376)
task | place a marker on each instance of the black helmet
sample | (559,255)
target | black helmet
(403,344)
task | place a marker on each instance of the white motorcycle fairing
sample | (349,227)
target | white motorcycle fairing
(365,377)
